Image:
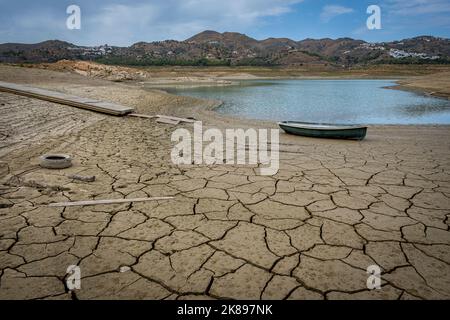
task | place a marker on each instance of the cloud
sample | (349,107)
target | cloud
(175,19)
(121,22)
(331,11)
(417,7)
(409,18)
(420,16)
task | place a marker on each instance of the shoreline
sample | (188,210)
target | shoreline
(214,104)
(197,76)
(162,86)
(421,91)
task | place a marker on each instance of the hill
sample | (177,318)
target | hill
(232,48)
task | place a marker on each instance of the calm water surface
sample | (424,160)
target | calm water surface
(335,101)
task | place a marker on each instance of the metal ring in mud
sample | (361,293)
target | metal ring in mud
(55,161)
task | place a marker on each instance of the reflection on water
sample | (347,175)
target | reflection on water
(335,101)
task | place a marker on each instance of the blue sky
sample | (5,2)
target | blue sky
(120,22)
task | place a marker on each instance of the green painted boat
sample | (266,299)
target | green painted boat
(324,130)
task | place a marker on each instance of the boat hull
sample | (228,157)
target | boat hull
(324,131)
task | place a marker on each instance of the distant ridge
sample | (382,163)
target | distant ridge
(233,48)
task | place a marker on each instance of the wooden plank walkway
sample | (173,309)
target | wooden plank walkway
(62,98)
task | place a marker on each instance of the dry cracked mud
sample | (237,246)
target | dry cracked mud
(308,232)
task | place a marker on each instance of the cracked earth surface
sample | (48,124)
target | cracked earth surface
(308,232)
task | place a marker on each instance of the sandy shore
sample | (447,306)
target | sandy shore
(308,232)
(437,85)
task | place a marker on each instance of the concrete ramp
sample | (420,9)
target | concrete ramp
(62,98)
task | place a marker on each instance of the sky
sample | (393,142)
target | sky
(122,23)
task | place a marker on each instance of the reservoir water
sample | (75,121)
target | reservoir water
(330,101)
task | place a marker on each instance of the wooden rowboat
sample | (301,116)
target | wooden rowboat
(324,130)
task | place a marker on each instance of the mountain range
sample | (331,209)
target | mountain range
(231,48)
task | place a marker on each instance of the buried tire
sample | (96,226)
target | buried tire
(55,161)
